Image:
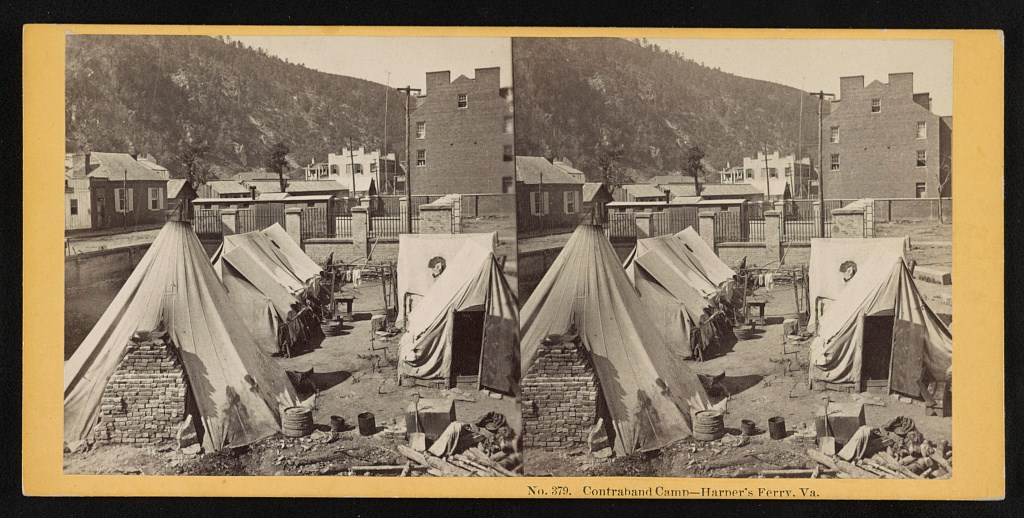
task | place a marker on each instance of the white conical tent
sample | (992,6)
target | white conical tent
(471,281)
(921,342)
(678,279)
(650,393)
(237,389)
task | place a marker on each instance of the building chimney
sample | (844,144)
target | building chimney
(252,191)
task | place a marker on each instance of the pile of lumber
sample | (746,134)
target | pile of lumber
(472,462)
(926,463)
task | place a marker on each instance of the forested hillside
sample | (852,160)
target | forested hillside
(177,97)
(598,101)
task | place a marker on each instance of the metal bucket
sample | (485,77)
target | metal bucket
(367,424)
(748,427)
(777,428)
(337,423)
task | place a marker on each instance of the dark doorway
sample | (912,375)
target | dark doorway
(100,215)
(467,336)
(877,351)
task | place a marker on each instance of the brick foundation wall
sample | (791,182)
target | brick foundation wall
(560,396)
(144,401)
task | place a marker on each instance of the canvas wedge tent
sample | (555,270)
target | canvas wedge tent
(265,281)
(650,393)
(687,290)
(238,391)
(881,332)
(465,325)
(417,251)
(301,266)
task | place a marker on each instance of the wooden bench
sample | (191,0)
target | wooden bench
(347,301)
(759,304)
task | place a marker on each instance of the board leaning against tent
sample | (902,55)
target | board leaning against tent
(238,391)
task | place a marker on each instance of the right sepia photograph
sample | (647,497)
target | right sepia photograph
(734,257)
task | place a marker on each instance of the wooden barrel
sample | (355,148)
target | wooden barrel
(708,425)
(297,421)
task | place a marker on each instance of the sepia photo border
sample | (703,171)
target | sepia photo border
(978,429)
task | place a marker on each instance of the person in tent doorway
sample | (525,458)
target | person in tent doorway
(437,266)
(848,269)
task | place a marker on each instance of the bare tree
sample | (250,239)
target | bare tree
(942,177)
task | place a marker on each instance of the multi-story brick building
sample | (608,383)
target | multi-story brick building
(883,141)
(460,135)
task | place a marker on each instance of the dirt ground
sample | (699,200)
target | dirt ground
(353,375)
(764,378)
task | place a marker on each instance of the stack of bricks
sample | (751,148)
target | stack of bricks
(560,395)
(144,401)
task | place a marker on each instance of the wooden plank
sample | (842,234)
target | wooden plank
(822,459)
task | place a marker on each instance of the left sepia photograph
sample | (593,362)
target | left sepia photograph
(290,255)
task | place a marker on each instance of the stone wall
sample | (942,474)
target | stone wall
(560,396)
(144,401)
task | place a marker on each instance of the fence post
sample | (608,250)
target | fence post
(403,209)
(435,219)
(293,223)
(706,228)
(229,221)
(361,230)
(642,220)
(773,234)
(848,222)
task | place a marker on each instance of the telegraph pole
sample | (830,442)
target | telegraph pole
(352,166)
(767,176)
(381,173)
(821,168)
(408,164)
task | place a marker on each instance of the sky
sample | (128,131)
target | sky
(394,61)
(817,64)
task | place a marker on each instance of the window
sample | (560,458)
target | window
(74,206)
(421,130)
(835,162)
(538,203)
(463,100)
(919,190)
(507,153)
(334,169)
(789,170)
(769,172)
(571,202)
(876,105)
(421,157)
(124,201)
(922,129)
(156,198)
(922,158)
(373,167)
(506,184)
(750,173)
(833,135)
(358,168)
(508,125)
